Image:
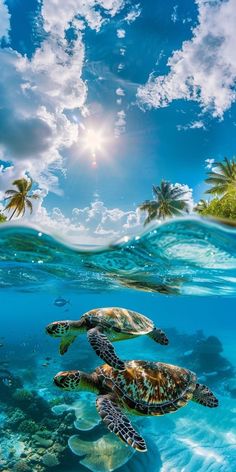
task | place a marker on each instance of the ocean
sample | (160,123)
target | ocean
(182,275)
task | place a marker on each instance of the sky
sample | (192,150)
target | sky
(99,100)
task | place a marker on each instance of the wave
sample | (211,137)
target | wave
(187,256)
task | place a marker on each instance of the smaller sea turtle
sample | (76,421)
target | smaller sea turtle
(142,388)
(104,326)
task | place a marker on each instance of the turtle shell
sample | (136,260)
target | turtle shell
(152,388)
(120,320)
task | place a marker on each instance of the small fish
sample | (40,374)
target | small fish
(1,345)
(188,353)
(45,364)
(60,302)
(48,358)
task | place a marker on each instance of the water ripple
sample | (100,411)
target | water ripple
(189,256)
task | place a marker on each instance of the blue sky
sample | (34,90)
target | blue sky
(153,81)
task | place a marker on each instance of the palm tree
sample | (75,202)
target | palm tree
(19,199)
(201,206)
(2,217)
(170,200)
(222,178)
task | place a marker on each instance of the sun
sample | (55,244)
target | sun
(94,141)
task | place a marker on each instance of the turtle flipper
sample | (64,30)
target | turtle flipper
(204,396)
(118,423)
(65,344)
(104,348)
(159,336)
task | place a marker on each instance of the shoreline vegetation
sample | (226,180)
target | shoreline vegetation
(169,200)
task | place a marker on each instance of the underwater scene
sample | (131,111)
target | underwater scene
(178,275)
(117,236)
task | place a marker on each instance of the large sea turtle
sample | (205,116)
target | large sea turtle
(103,326)
(142,388)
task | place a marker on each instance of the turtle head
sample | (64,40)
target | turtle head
(68,380)
(58,329)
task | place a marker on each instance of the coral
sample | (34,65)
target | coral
(50,460)
(15,416)
(22,466)
(56,401)
(22,395)
(41,441)
(206,358)
(103,455)
(28,426)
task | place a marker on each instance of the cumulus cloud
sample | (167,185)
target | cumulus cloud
(59,15)
(198,124)
(204,70)
(4,20)
(121,33)
(94,224)
(33,128)
(37,92)
(133,14)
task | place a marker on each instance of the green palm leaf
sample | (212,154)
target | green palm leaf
(19,201)
(169,200)
(222,178)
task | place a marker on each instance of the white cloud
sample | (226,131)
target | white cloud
(133,14)
(94,224)
(193,125)
(120,123)
(121,66)
(121,33)
(33,128)
(4,20)
(188,195)
(174,15)
(59,15)
(36,93)
(204,70)
(120,92)
(209,163)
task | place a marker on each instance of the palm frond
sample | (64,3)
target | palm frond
(29,205)
(21,184)
(10,193)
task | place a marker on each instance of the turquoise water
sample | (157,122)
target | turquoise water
(182,274)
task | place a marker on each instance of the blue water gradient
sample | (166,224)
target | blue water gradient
(148,273)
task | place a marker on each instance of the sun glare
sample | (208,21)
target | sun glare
(94,141)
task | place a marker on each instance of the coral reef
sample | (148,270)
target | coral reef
(37,425)
(206,359)
(103,455)
(50,460)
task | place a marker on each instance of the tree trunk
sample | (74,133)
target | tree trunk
(12,214)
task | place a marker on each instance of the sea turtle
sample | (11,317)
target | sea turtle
(103,326)
(142,388)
